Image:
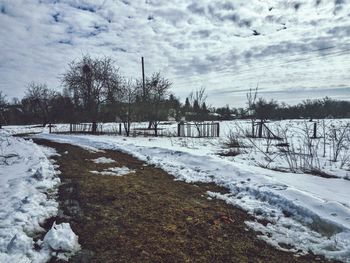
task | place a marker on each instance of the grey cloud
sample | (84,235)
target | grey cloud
(196,8)
(313,47)
(200,42)
(2,8)
(339,2)
(178,45)
(171,15)
(318,2)
(340,31)
(202,33)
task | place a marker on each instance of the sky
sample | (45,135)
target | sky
(292,49)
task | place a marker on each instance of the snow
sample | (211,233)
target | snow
(103,160)
(115,171)
(308,212)
(296,131)
(24,129)
(62,238)
(28,188)
(120,171)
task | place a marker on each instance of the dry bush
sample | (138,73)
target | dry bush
(344,156)
(339,142)
(232,140)
(233,143)
(304,157)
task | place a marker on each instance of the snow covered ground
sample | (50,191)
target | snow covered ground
(263,152)
(305,211)
(28,187)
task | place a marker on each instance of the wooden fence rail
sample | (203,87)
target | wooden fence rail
(117,129)
(194,130)
(84,128)
(198,130)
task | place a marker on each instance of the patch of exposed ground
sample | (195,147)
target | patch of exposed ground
(146,216)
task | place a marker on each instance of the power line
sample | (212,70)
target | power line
(143,76)
(235,73)
(239,72)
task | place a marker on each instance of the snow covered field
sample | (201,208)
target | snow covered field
(28,187)
(305,211)
(263,152)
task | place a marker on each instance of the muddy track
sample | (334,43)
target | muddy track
(146,216)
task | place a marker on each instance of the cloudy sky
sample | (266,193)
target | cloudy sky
(293,49)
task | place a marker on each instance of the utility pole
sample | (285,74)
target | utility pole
(143,77)
(144,92)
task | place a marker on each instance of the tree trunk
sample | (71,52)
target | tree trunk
(94,127)
(155,129)
(127,128)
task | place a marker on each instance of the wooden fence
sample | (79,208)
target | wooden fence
(195,130)
(198,130)
(117,129)
(161,132)
(84,128)
(260,130)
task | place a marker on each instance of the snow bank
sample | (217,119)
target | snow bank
(28,186)
(307,212)
(61,238)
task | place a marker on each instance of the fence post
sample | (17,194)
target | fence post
(50,128)
(178,129)
(260,129)
(315,130)
(70,128)
(218,129)
(120,129)
(94,127)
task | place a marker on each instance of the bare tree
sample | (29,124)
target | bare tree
(37,101)
(127,109)
(197,99)
(144,112)
(91,82)
(251,99)
(158,89)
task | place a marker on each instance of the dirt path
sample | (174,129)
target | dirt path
(146,216)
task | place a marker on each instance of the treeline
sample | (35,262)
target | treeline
(311,109)
(95,91)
